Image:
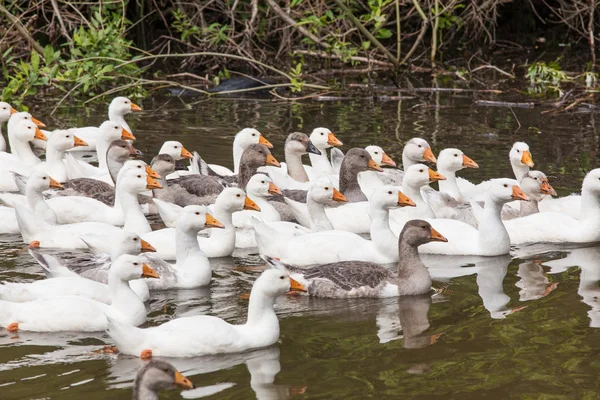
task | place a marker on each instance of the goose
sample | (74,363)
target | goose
(553,227)
(192,268)
(356,161)
(206,335)
(57,145)
(371,180)
(260,187)
(6,110)
(536,186)
(322,139)
(491,239)
(242,140)
(156,376)
(175,149)
(21,130)
(334,246)
(346,279)
(417,177)
(73,313)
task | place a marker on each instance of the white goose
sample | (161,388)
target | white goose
(6,110)
(260,187)
(242,140)
(322,139)
(204,335)
(73,313)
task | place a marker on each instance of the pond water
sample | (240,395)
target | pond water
(519,326)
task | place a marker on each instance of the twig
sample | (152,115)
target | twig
(63,29)
(517,119)
(189,75)
(434,34)
(64,97)
(22,31)
(417,42)
(283,15)
(323,54)
(495,68)
(503,104)
(398,36)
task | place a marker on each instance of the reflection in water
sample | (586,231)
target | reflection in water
(406,318)
(534,283)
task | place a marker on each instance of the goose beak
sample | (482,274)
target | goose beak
(39,135)
(55,184)
(273,189)
(149,272)
(428,155)
(182,381)
(436,236)
(526,159)
(518,194)
(185,153)
(272,161)
(35,244)
(386,160)
(310,148)
(262,140)
(38,122)
(152,173)
(296,286)
(12,110)
(135,107)
(333,141)
(435,176)
(405,201)
(547,188)
(338,196)
(373,166)
(152,184)
(79,142)
(468,163)
(135,152)
(250,205)
(147,247)
(211,222)
(126,135)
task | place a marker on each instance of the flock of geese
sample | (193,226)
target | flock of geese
(309,223)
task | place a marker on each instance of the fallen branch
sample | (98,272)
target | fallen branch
(491,103)
(494,68)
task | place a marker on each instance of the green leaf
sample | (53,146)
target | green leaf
(384,33)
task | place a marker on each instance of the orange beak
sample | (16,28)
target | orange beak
(152,184)
(386,160)
(404,200)
(78,142)
(273,189)
(373,166)
(12,111)
(135,107)
(35,244)
(185,153)
(526,159)
(518,194)
(152,173)
(272,161)
(262,140)
(338,196)
(126,135)
(547,188)
(333,141)
(147,247)
(296,286)
(437,237)
(435,176)
(428,155)
(39,135)
(211,222)
(38,122)
(149,272)
(55,184)
(468,163)
(182,381)
(250,205)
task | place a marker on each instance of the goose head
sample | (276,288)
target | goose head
(129,267)
(120,151)
(276,280)
(110,130)
(258,155)
(40,181)
(196,218)
(389,197)
(139,166)
(417,232)
(248,136)
(175,149)
(322,191)
(133,244)
(591,183)
(504,190)
(25,129)
(122,106)
(418,150)
(359,160)
(134,180)
(63,140)
(520,155)
(454,160)
(420,175)
(323,138)
(6,111)
(536,186)
(235,199)
(379,156)
(163,164)
(159,375)
(17,117)
(260,185)
(299,144)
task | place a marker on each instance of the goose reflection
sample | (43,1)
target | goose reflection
(534,283)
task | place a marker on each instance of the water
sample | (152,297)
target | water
(498,327)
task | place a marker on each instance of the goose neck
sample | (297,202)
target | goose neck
(123,298)
(318,217)
(135,220)
(493,236)
(186,243)
(519,171)
(102,146)
(114,166)
(294,166)
(22,149)
(119,118)
(238,150)
(143,392)
(34,197)
(321,162)
(54,155)
(260,309)
(450,186)
(382,235)
(414,193)
(407,161)
(590,205)
(528,208)
(411,270)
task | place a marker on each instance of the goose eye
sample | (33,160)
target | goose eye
(175,147)
(362,156)
(197,213)
(116,127)
(420,170)
(126,102)
(505,185)
(262,181)
(136,264)
(139,176)
(44,178)
(376,152)
(326,187)
(456,155)
(390,192)
(282,277)
(322,134)
(518,151)
(68,137)
(238,195)
(535,179)
(260,151)
(135,239)
(420,146)
(28,127)
(254,134)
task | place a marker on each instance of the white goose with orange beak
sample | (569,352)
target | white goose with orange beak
(242,140)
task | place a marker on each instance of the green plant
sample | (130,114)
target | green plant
(542,73)
(296,73)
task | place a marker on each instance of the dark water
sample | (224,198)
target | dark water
(501,327)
